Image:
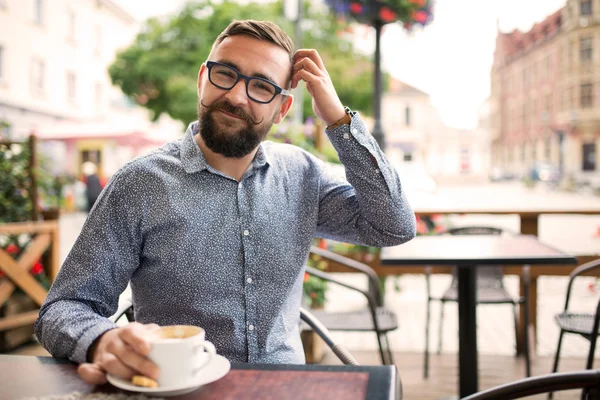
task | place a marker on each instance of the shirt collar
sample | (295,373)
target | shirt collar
(193,160)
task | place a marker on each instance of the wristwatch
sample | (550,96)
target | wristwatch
(345,120)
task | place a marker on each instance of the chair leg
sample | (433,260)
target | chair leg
(381,352)
(389,349)
(442,304)
(526,341)
(426,361)
(556,357)
(590,360)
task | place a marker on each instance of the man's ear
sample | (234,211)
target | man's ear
(286,104)
(201,73)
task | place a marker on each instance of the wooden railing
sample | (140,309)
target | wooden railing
(44,244)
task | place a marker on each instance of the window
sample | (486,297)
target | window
(38,12)
(585,7)
(589,157)
(1,62)
(71,88)
(71,25)
(407,116)
(408,156)
(37,74)
(586,49)
(587,95)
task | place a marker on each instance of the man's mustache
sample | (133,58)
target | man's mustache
(231,109)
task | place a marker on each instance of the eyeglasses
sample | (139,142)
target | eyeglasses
(258,89)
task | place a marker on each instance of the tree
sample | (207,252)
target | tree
(159,70)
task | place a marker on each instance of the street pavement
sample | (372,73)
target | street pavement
(570,233)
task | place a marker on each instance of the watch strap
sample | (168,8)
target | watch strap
(345,120)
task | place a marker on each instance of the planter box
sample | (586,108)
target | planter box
(314,347)
(13,338)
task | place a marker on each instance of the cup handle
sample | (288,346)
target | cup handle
(208,348)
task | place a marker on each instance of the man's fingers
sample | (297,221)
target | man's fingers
(114,366)
(128,360)
(92,373)
(308,65)
(138,336)
(312,54)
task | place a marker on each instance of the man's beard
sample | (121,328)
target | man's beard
(229,142)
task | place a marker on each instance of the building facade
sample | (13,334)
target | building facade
(545,94)
(416,134)
(54,58)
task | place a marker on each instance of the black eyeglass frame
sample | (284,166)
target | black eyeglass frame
(278,89)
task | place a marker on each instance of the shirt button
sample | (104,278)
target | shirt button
(346,136)
(249,280)
(250,327)
(354,131)
(246,232)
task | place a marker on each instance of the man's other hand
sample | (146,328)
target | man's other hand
(121,352)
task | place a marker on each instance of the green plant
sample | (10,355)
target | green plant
(15,183)
(315,288)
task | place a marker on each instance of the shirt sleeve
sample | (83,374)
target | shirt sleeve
(370,207)
(94,274)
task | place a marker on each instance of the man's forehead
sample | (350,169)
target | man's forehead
(253,57)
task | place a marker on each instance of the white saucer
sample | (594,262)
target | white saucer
(215,370)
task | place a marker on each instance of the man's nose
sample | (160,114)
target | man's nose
(237,95)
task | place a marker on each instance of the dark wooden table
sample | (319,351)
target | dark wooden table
(28,376)
(466,252)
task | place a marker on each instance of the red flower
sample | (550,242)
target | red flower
(356,8)
(408,27)
(37,268)
(387,15)
(323,244)
(313,295)
(419,16)
(306,276)
(11,249)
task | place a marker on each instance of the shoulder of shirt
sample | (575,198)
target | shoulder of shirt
(148,164)
(287,151)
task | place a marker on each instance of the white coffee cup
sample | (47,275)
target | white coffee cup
(180,352)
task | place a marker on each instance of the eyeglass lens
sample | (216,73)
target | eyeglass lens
(257,89)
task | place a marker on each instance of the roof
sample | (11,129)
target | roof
(398,87)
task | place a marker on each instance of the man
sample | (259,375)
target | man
(213,230)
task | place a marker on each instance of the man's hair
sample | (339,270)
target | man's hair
(261,30)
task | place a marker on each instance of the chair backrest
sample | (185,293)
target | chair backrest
(584,268)
(374,281)
(588,380)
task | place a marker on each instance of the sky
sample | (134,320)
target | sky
(450,59)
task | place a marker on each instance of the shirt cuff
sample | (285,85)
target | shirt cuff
(86,340)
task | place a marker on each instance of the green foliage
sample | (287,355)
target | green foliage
(15,184)
(315,288)
(159,70)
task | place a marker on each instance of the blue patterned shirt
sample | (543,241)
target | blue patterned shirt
(200,248)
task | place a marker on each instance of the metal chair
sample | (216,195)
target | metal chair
(582,324)
(125,310)
(588,380)
(490,290)
(374,318)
